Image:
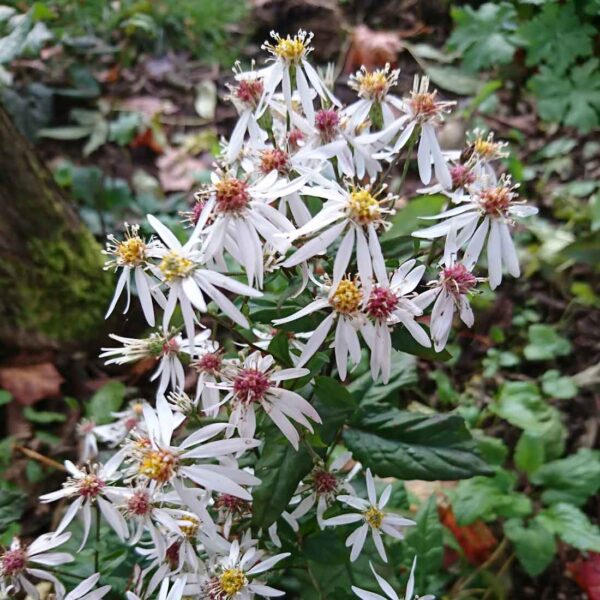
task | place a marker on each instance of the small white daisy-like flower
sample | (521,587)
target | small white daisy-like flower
(290,53)
(354,216)
(373,518)
(388,306)
(166,591)
(490,210)
(234,577)
(127,420)
(88,443)
(157,459)
(345,301)
(182,269)
(89,487)
(388,590)
(255,383)
(19,563)
(241,215)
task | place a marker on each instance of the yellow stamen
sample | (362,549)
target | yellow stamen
(363,207)
(347,297)
(158,465)
(232,581)
(174,266)
(132,251)
(374,517)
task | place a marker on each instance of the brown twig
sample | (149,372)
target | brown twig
(29,453)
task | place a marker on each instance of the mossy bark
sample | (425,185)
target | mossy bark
(53,291)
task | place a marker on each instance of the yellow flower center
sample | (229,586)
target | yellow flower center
(363,207)
(424,104)
(190,527)
(347,297)
(132,251)
(159,465)
(484,148)
(374,517)
(290,49)
(174,266)
(374,84)
(232,581)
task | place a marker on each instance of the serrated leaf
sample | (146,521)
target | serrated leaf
(530,452)
(572,526)
(280,468)
(572,479)
(108,399)
(534,546)
(403,373)
(572,98)
(395,443)
(556,36)
(12,505)
(484,36)
(488,498)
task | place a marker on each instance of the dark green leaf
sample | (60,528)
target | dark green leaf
(335,405)
(534,545)
(395,443)
(530,452)
(43,416)
(279,347)
(12,505)
(108,399)
(404,342)
(280,468)
(572,526)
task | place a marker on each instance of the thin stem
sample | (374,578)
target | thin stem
(409,148)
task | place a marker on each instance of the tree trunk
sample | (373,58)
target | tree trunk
(53,291)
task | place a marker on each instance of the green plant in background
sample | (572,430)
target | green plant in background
(558,41)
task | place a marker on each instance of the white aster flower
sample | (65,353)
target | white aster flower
(132,255)
(234,576)
(20,563)
(255,382)
(387,306)
(174,593)
(490,210)
(345,301)
(157,459)
(88,443)
(354,216)
(90,486)
(182,270)
(127,420)
(288,53)
(373,518)
(389,590)
(241,215)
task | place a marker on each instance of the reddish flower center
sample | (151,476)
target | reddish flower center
(424,105)
(90,485)
(324,482)
(382,303)
(13,562)
(274,160)
(209,362)
(495,201)
(231,503)
(249,91)
(461,176)
(251,385)
(172,554)
(326,122)
(295,137)
(170,347)
(197,211)
(232,195)
(139,504)
(458,279)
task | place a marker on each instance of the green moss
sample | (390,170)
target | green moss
(63,291)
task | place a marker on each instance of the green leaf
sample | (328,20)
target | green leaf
(409,218)
(529,452)
(454,80)
(403,373)
(5,397)
(12,44)
(335,405)
(280,468)
(108,399)
(12,505)
(425,540)
(484,36)
(395,443)
(43,416)
(556,386)
(488,498)
(572,98)
(573,479)
(124,128)
(279,347)
(545,343)
(69,132)
(556,36)
(493,450)
(404,342)
(572,526)
(534,545)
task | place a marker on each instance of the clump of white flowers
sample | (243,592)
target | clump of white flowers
(287,238)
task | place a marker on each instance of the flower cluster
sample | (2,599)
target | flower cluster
(287,243)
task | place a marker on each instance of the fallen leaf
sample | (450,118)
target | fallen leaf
(31,383)
(176,171)
(476,540)
(109,75)
(373,49)
(147,139)
(587,574)
(206,99)
(149,106)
